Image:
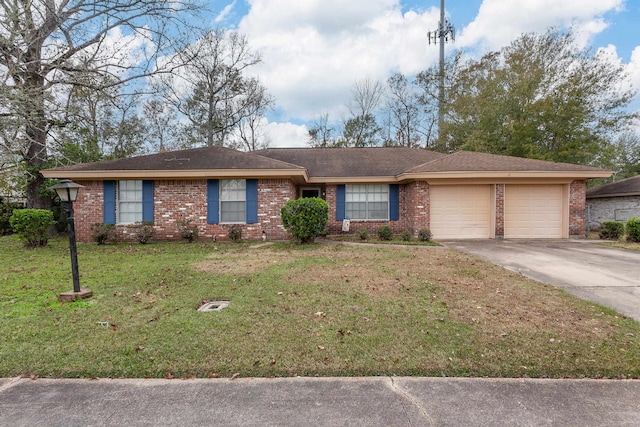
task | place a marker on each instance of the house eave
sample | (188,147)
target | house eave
(506,176)
(606,196)
(352,180)
(297,175)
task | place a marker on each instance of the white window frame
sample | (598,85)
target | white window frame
(129,201)
(367,194)
(232,192)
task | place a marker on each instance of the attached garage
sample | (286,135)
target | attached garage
(534,211)
(461,211)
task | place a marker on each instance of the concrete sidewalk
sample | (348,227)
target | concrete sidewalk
(371,401)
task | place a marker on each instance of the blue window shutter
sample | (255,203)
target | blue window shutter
(147,201)
(213,202)
(252,201)
(340,202)
(394,202)
(109,202)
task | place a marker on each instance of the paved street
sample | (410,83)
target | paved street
(604,275)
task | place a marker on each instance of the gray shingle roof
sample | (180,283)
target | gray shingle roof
(198,158)
(467,161)
(322,163)
(625,187)
(353,162)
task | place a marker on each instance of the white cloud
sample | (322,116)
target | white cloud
(500,21)
(286,135)
(224,14)
(315,50)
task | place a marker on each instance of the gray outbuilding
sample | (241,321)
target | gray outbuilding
(617,201)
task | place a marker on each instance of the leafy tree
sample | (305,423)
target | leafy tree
(48,48)
(540,97)
(361,131)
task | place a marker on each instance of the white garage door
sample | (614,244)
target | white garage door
(460,211)
(533,211)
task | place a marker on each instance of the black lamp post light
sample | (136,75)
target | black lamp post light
(67,191)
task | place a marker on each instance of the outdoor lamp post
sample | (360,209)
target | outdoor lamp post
(67,191)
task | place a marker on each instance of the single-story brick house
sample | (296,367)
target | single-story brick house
(617,201)
(460,195)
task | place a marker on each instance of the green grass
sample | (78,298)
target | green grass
(324,309)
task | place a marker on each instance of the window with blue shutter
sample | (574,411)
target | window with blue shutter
(394,202)
(340,202)
(252,201)
(213,201)
(147,201)
(109,202)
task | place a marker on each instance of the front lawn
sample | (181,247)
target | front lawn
(326,309)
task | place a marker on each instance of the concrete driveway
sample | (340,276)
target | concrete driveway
(607,276)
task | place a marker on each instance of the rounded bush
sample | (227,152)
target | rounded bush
(633,230)
(32,226)
(102,233)
(363,234)
(305,218)
(385,233)
(424,235)
(611,230)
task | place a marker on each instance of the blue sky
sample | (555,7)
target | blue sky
(314,50)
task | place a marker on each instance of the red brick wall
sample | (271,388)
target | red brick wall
(88,208)
(178,200)
(417,206)
(335,227)
(499,210)
(577,209)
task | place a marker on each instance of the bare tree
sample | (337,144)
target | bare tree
(161,120)
(47,47)
(213,90)
(361,128)
(404,113)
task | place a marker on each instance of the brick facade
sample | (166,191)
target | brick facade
(176,200)
(186,200)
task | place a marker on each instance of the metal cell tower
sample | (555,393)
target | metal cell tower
(444,32)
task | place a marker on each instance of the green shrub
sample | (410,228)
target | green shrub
(424,235)
(187,230)
(633,230)
(305,218)
(102,233)
(235,233)
(385,233)
(144,231)
(406,236)
(611,230)
(32,226)
(363,234)
(6,210)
